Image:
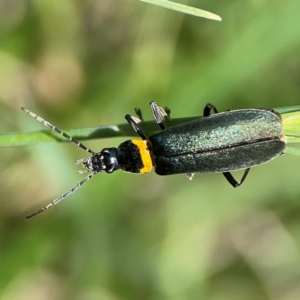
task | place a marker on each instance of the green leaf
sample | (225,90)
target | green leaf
(14,139)
(290,122)
(185,9)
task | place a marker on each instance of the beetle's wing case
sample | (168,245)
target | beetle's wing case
(222,142)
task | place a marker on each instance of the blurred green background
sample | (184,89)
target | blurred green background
(88,63)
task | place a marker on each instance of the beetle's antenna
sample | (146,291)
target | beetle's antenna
(52,127)
(63,196)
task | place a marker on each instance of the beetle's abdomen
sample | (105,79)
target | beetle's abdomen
(219,143)
(221,160)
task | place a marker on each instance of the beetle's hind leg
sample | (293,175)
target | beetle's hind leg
(231,179)
(208,108)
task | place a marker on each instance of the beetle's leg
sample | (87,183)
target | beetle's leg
(136,120)
(134,124)
(168,112)
(139,113)
(159,114)
(231,179)
(189,175)
(208,108)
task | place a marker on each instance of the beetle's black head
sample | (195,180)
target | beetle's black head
(102,161)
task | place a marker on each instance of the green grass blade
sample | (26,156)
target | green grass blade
(287,109)
(291,122)
(15,139)
(294,151)
(291,126)
(290,119)
(292,139)
(185,9)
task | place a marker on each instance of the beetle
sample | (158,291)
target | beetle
(219,142)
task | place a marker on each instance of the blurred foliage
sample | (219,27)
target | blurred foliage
(88,63)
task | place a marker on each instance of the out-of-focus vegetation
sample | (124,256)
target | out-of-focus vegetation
(88,63)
